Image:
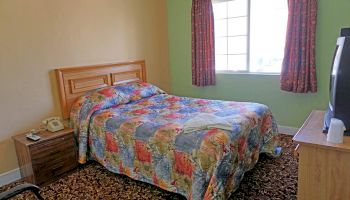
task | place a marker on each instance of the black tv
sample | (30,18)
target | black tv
(339,86)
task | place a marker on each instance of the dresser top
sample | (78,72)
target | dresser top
(45,135)
(311,134)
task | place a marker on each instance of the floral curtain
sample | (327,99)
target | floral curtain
(203,50)
(299,67)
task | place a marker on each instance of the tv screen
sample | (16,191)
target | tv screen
(333,75)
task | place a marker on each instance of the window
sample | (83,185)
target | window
(250,35)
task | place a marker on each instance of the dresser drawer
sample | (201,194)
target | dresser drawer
(46,159)
(45,172)
(53,144)
(46,153)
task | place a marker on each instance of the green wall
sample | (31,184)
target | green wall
(289,109)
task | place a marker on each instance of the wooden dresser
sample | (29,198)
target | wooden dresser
(46,160)
(324,167)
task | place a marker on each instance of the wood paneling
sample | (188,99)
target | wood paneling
(323,172)
(75,81)
(89,83)
(124,77)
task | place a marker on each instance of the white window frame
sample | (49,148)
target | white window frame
(247,71)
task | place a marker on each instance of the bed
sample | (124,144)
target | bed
(133,128)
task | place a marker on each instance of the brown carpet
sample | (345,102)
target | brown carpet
(270,179)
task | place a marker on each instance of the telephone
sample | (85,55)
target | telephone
(53,124)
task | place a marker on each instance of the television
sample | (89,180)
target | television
(339,86)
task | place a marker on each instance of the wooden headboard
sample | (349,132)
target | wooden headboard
(75,81)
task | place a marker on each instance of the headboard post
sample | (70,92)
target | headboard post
(75,81)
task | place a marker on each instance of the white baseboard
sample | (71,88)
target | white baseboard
(10,176)
(287,130)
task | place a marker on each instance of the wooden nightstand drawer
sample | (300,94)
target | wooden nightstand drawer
(52,143)
(51,156)
(52,148)
(47,171)
(47,159)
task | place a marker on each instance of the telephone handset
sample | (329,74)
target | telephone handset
(53,124)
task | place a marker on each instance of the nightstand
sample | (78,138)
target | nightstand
(49,158)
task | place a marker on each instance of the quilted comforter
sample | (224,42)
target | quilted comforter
(136,129)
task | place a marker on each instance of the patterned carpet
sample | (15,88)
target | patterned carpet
(270,179)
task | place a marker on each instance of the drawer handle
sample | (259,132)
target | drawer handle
(296,153)
(54,169)
(54,152)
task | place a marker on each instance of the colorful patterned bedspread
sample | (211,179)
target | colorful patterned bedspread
(136,129)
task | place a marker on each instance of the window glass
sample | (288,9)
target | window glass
(237,8)
(220,10)
(237,45)
(261,24)
(221,45)
(236,26)
(237,62)
(221,62)
(220,27)
(268,20)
